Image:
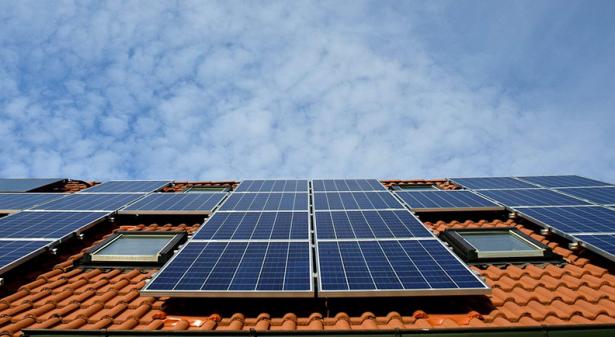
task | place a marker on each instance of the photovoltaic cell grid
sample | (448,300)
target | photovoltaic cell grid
(13,253)
(25,185)
(563,181)
(273,186)
(176,203)
(597,195)
(384,268)
(46,225)
(355,200)
(127,186)
(492,183)
(368,225)
(19,201)
(600,243)
(237,269)
(531,197)
(446,200)
(255,226)
(91,202)
(573,220)
(346,185)
(274,201)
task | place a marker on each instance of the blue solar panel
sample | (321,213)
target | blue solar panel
(355,200)
(176,203)
(255,226)
(446,200)
(563,181)
(492,183)
(368,224)
(13,253)
(346,185)
(599,243)
(597,195)
(571,220)
(531,197)
(392,267)
(273,186)
(20,201)
(128,186)
(266,202)
(47,225)
(26,184)
(237,268)
(91,202)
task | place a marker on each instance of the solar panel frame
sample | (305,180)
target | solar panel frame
(193,203)
(124,186)
(327,201)
(558,181)
(22,250)
(490,183)
(108,202)
(14,202)
(261,185)
(16,185)
(382,271)
(44,224)
(579,219)
(452,197)
(342,185)
(531,197)
(601,244)
(255,226)
(149,289)
(235,201)
(597,195)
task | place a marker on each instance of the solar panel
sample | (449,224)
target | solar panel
(47,225)
(26,184)
(255,226)
(368,224)
(571,220)
(91,202)
(492,183)
(14,253)
(563,181)
(273,186)
(355,200)
(393,268)
(10,202)
(531,197)
(236,269)
(274,201)
(597,195)
(603,244)
(176,203)
(347,185)
(128,186)
(446,201)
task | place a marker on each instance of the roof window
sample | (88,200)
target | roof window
(413,187)
(201,189)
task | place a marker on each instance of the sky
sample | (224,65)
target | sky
(208,90)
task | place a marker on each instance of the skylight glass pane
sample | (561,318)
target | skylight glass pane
(140,245)
(497,242)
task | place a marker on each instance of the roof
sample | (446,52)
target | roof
(57,294)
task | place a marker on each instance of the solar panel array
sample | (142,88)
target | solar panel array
(346,185)
(176,203)
(603,244)
(12,252)
(273,186)
(269,201)
(531,197)
(26,185)
(91,202)
(563,181)
(492,183)
(426,201)
(51,226)
(128,186)
(355,200)
(13,202)
(597,195)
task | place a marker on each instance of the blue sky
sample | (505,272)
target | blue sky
(231,90)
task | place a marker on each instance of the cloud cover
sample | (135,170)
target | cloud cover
(221,90)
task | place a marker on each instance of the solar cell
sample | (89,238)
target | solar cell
(531,197)
(346,185)
(255,226)
(368,224)
(603,244)
(571,220)
(563,181)
(127,186)
(236,269)
(492,183)
(10,202)
(597,195)
(176,203)
(47,225)
(274,201)
(91,202)
(355,200)
(13,253)
(273,186)
(392,268)
(26,184)
(446,200)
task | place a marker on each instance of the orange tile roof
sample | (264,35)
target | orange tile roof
(65,296)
